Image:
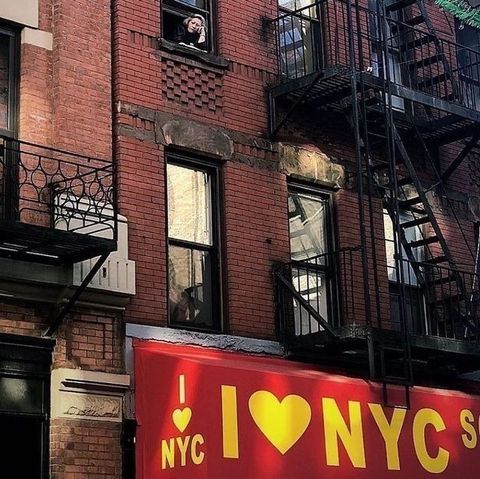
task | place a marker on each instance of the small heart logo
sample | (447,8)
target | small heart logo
(282,422)
(181,418)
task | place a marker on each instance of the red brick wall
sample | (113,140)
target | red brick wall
(82,77)
(255,198)
(85,449)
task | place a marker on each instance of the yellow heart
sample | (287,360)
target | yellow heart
(282,422)
(181,418)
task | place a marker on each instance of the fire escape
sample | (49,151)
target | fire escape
(404,90)
(56,208)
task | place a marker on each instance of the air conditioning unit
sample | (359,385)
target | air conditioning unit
(117,274)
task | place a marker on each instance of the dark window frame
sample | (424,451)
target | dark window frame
(14,80)
(468,71)
(331,269)
(28,358)
(316,24)
(214,172)
(414,293)
(181,9)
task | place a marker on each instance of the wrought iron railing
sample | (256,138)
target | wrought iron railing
(443,302)
(319,294)
(330,34)
(325,293)
(56,189)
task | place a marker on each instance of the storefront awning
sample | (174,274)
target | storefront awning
(203,413)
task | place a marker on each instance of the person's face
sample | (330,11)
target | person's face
(194,25)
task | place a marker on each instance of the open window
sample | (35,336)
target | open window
(312,260)
(193,246)
(299,34)
(188,23)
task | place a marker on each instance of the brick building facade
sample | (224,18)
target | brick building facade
(244,194)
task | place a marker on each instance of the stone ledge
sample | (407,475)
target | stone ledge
(78,394)
(192,57)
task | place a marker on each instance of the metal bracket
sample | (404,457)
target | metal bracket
(59,312)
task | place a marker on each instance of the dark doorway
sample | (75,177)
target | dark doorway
(21,453)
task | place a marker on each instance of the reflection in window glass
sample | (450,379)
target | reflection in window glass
(192,252)
(308,229)
(190,275)
(308,225)
(21,395)
(297,46)
(4,80)
(412,234)
(413,298)
(189,208)
(469,64)
(195,3)
(297,4)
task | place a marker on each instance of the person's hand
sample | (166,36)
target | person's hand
(201,32)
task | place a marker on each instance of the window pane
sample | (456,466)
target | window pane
(21,395)
(307,217)
(195,3)
(312,285)
(4,79)
(189,205)
(297,46)
(412,234)
(297,4)
(469,65)
(190,286)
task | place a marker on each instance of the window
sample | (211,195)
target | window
(189,23)
(24,407)
(193,252)
(311,257)
(8,81)
(469,64)
(414,297)
(299,31)
(393,57)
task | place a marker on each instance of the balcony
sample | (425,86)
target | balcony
(56,207)
(430,317)
(331,46)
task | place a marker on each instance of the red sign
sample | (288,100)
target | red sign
(209,414)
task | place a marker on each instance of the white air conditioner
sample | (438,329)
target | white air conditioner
(117,274)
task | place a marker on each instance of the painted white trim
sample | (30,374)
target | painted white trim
(38,38)
(219,341)
(24,12)
(177,336)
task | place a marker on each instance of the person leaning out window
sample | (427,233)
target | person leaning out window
(192,32)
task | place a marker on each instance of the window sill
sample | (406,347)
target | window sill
(192,56)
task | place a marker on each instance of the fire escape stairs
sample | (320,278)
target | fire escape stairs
(402,190)
(430,70)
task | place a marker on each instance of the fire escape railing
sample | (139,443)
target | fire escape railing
(438,307)
(318,38)
(318,295)
(55,189)
(325,293)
